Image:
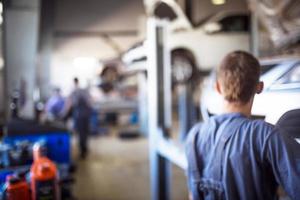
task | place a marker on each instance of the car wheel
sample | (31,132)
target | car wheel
(183,67)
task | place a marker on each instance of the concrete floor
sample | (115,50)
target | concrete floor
(119,170)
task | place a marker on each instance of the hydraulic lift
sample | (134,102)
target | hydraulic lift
(163,150)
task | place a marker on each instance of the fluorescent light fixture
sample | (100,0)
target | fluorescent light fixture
(85,61)
(218,2)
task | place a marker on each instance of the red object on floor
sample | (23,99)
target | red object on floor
(17,189)
(44,182)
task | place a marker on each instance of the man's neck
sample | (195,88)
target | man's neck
(233,107)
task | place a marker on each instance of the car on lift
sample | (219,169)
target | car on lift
(281,92)
(195,47)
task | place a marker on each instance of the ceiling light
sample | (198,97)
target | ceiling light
(218,2)
(85,61)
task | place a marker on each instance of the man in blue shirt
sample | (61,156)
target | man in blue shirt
(233,157)
(55,105)
(79,102)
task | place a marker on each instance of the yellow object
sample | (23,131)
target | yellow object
(218,2)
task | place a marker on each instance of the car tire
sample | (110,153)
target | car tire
(183,67)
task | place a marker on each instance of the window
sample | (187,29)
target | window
(293,76)
(265,68)
(235,23)
(289,81)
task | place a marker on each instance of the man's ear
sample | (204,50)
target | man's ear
(259,87)
(218,87)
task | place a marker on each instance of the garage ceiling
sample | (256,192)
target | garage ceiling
(96,28)
(99,15)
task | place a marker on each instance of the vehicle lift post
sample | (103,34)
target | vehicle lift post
(159,105)
(254,39)
(143,102)
(186,110)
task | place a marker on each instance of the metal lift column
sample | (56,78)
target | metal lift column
(159,105)
(186,110)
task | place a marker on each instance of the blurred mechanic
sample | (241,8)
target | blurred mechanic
(231,156)
(55,105)
(79,103)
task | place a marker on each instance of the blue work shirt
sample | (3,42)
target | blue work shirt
(252,162)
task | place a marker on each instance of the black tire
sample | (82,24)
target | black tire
(183,67)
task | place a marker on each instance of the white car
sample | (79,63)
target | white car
(281,91)
(195,47)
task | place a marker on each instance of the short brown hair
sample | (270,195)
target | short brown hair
(238,75)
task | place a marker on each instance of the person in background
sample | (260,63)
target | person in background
(55,105)
(79,103)
(231,156)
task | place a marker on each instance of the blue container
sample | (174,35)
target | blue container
(57,143)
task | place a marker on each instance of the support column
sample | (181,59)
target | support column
(45,42)
(20,28)
(143,102)
(159,107)
(254,34)
(186,110)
